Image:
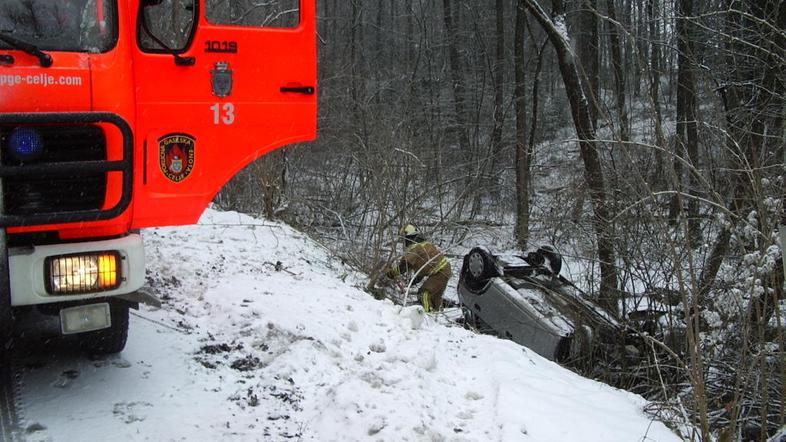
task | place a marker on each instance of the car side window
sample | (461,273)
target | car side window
(254,13)
(171,22)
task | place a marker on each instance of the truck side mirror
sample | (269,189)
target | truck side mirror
(171,40)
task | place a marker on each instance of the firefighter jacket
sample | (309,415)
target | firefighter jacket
(423,259)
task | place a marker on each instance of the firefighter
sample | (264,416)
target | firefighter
(425,261)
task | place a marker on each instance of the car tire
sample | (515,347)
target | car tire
(562,353)
(552,257)
(109,340)
(581,345)
(479,267)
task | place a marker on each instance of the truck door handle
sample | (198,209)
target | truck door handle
(308,90)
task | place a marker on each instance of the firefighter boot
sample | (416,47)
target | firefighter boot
(426,300)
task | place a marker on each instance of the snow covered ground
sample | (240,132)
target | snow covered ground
(264,336)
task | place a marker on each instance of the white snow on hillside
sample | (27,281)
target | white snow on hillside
(247,350)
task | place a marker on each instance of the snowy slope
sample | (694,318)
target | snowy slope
(243,351)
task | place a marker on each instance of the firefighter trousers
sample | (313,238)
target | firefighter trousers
(433,288)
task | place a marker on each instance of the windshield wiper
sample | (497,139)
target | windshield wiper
(44,58)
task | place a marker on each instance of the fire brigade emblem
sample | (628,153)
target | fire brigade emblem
(221,78)
(176,156)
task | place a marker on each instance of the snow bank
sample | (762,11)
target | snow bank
(263,336)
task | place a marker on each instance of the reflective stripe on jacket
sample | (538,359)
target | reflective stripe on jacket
(423,258)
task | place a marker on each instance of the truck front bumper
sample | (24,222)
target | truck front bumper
(28,270)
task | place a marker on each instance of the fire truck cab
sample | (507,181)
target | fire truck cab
(116,115)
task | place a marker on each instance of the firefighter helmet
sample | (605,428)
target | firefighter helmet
(409,230)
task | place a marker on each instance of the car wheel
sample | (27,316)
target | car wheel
(553,257)
(479,268)
(581,345)
(109,340)
(562,353)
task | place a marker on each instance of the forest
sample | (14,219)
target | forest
(643,138)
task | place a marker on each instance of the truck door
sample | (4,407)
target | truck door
(218,84)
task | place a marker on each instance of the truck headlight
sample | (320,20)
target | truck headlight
(25,144)
(82,273)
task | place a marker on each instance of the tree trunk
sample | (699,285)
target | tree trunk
(687,126)
(619,73)
(499,79)
(588,145)
(587,48)
(655,73)
(523,153)
(719,251)
(456,78)
(533,125)
(469,190)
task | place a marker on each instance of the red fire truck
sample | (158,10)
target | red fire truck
(117,115)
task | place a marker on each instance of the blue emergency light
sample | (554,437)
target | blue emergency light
(25,144)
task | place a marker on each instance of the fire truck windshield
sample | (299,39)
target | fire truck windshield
(62,25)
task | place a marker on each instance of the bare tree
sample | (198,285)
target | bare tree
(523,149)
(687,124)
(619,72)
(589,147)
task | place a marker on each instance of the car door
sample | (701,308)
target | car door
(218,84)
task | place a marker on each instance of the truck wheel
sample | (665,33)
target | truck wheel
(109,340)
(6,323)
(478,268)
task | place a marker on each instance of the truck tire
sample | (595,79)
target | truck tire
(6,323)
(109,340)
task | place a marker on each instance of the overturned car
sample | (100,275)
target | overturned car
(523,298)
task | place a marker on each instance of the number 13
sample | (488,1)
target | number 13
(223,114)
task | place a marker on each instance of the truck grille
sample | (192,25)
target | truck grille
(27,195)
